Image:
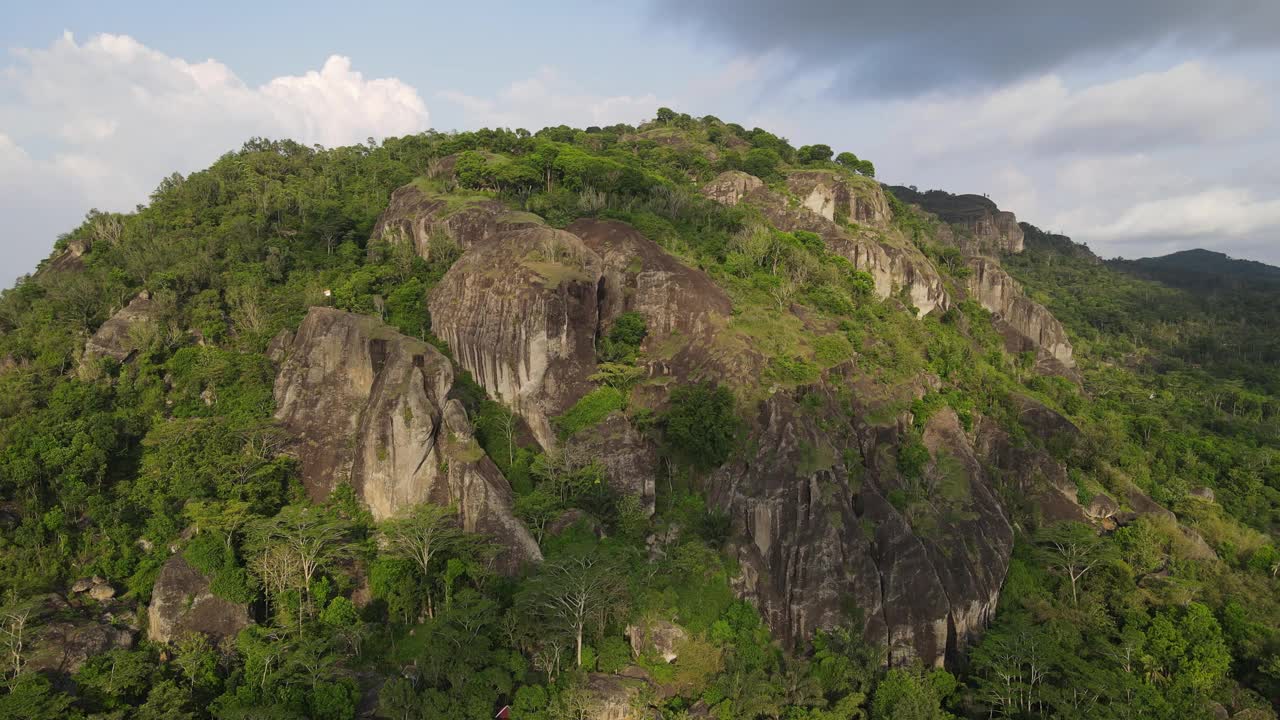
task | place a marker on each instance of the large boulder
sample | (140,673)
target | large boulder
(118,337)
(520,311)
(370,406)
(182,603)
(657,637)
(613,697)
(60,637)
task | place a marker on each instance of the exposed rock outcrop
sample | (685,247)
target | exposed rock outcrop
(822,536)
(417,216)
(841,198)
(657,637)
(630,461)
(1025,324)
(981,227)
(182,603)
(681,306)
(894,266)
(612,697)
(731,186)
(70,259)
(64,645)
(520,312)
(370,406)
(117,338)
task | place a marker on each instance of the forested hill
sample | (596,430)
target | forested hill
(672,420)
(1204,270)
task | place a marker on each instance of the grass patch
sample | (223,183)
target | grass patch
(590,410)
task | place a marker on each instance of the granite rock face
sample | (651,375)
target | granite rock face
(521,312)
(370,406)
(116,338)
(835,197)
(981,228)
(894,264)
(731,186)
(524,307)
(921,558)
(1025,324)
(417,217)
(182,603)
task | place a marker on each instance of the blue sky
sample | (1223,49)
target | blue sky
(1140,127)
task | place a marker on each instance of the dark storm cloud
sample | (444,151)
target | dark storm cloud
(897,48)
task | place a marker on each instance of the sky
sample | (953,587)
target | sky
(1139,127)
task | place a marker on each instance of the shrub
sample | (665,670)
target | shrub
(622,343)
(793,370)
(701,425)
(913,456)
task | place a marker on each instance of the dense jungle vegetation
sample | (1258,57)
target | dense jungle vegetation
(106,467)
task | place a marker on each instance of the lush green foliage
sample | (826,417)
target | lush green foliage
(104,465)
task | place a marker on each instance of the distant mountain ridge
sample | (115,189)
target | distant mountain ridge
(1201,269)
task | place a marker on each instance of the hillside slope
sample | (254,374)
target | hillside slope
(600,423)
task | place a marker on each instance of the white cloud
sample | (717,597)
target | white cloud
(548,98)
(1141,161)
(1215,212)
(104,120)
(1186,104)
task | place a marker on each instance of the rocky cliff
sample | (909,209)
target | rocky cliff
(1027,326)
(980,227)
(370,406)
(826,522)
(921,558)
(521,312)
(853,219)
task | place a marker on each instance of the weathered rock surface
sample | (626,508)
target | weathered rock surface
(70,259)
(656,636)
(370,406)
(612,697)
(1201,493)
(59,638)
(894,266)
(182,603)
(1101,507)
(116,338)
(416,216)
(982,228)
(520,312)
(731,186)
(630,461)
(639,276)
(836,197)
(1025,324)
(821,537)
(278,347)
(1142,504)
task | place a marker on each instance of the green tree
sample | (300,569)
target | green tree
(578,594)
(312,537)
(701,424)
(427,531)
